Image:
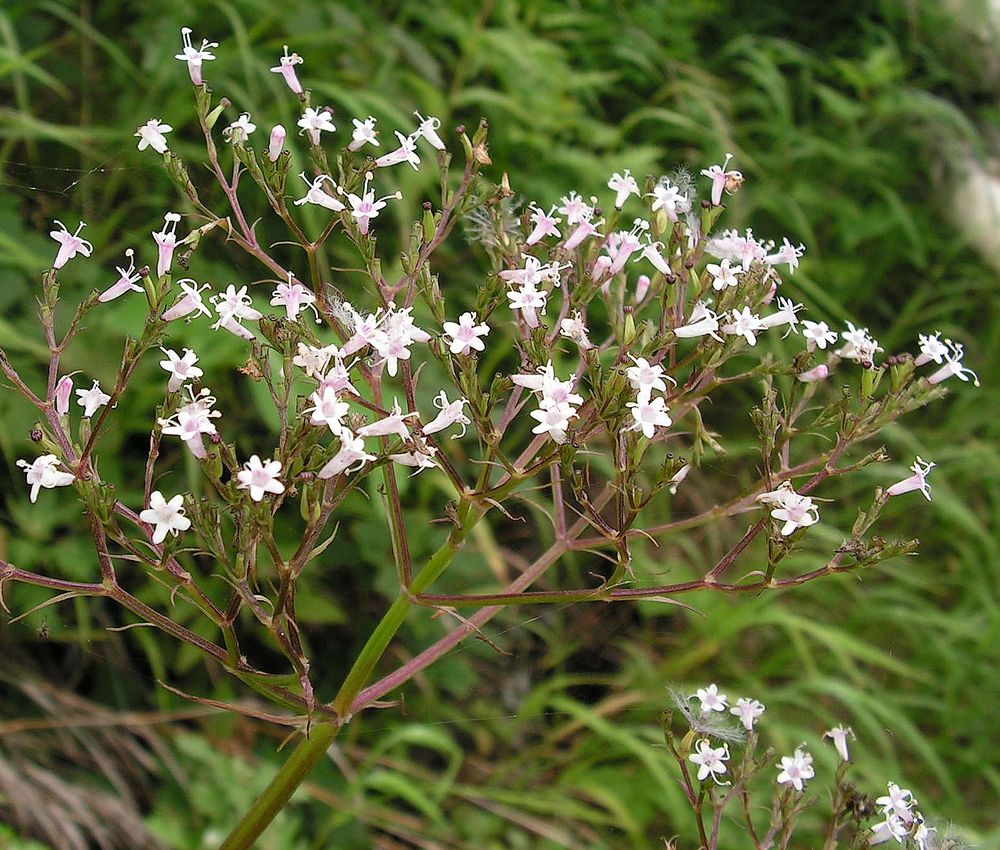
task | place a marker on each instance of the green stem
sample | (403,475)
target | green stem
(310,750)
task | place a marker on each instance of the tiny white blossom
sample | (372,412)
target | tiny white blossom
(181,369)
(918,481)
(670,199)
(152,134)
(406,152)
(195,56)
(553,420)
(818,335)
(167,517)
(166,243)
(393,423)
(623,185)
(711,699)
(315,122)
(239,131)
(90,400)
(421,459)
(859,345)
(546,224)
(317,195)
(128,280)
(649,414)
(260,477)
(350,458)
(364,133)
(711,760)
(646,377)
(796,770)
(465,334)
(745,324)
(428,130)
(42,472)
(529,301)
(953,366)
(70,244)
(747,710)
(192,421)
(367,206)
(792,509)
(723,275)
(839,736)
(286,67)
(234,306)
(64,390)
(295,298)
(327,409)
(574,328)
(190,301)
(722,179)
(931,348)
(451,412)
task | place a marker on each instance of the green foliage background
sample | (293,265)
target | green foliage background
(850,121)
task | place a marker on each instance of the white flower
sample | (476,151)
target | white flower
(240,130)
(42,472)
(747,710)
(428,129)
(393,423)
(367,207)
(195,56)
(953,366)
(92,399)
(702,322)
(406,152)
(931,348)
(839,735)
(787,253)
(745,324)
(918,481)
(327,409)
(312,359)
(574,328)
(859,345)
(128,279)
(553,420)
(793,510)
(646,377)
(70,244)
(189,302)
(711,760)
(796,770)
(364,133)
(193,420)
(396,333)
(260,477)
(785,315)
(181,369)
(722,179)
(711,699)
(338,378)
(723,275)
(286,67)
(670,199)
(552,390)
(529,301)
(421,459)
(451,412)
(166,243)
(295,298)
(315,122)
(350,458)
(233,306)
(317,195)
(152,134)
(649,414)
(546,224)
(167,517)
(465,334)
(818,335)
(575,208)
(623,185)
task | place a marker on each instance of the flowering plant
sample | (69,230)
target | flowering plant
(625,329)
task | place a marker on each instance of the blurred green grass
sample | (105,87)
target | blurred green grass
(850,124)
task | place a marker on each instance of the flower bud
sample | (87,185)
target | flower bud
(274,147)
(641,287)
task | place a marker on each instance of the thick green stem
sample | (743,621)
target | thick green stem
(310,750)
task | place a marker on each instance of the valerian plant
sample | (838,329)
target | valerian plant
(628,310)
(721,766)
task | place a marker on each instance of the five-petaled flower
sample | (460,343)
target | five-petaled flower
(152,134)
(43,472)
(721,179)
(286,67)
(128,279)
(295,298)
(166,517)
(465,334)
(839,736)
(796,770)
(623,185)
(70,244)
(367,206)
(166,243)
(711,760)
(239,131)
(918,481)
(260,477)
(793,510)
(711,699)
(315,122)
(90,400)
(195,56)
(181,369)
(747,710)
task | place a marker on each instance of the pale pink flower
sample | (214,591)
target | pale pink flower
(166,517)
(42,472)
(166,243)
(90,400)
(181,369)
(70,244)
(260,477)
(152,134)
(796,770)
(315,122)
(276,142)
(195,56)
(350,458)
(918,481)
(286,67)
(428,130)
(722,179)
(465,334)
(128,279)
